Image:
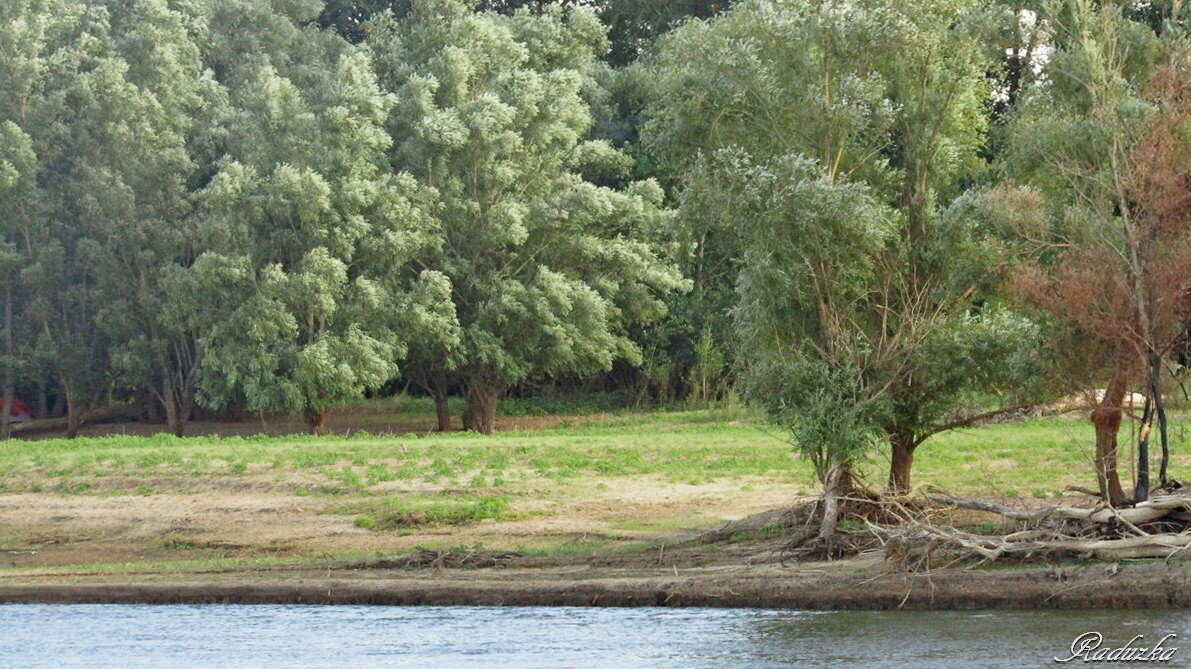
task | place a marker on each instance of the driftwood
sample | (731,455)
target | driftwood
(1144,512)
(924,543)
(1157,528)
(109,412)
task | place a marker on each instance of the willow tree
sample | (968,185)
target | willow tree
(884,96)
(1100,150)
(309,232)
(820,354)
(18,193)
(103,156)
(547,269)
(36,57)
(101,104)
(142,219)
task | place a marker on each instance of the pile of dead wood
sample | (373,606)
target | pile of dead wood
(1157,528)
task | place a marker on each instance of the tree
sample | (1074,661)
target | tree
(1106,159)
(30,35)
(18,191)
(820,354)
(72,107)
(145,228)
(309,235)
(547,269)
(881,95)
(632,24)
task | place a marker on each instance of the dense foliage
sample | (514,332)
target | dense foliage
(872,219)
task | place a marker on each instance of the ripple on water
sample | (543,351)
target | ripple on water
(230,636)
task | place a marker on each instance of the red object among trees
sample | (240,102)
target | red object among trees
(22,412)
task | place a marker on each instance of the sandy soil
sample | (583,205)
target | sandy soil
(51,543)
(254,517)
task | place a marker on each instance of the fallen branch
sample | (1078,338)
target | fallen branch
(109,412)
(969,421)
(425,558)
(1144,512)
(1085,491)
(1157,528)
(924,542)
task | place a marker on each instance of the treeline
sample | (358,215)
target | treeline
(874,219)
(273,204)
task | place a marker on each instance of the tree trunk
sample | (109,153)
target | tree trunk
(176,417)
(185,411)
(482,398)
(1107,420)
(43,398)
(1164,469)
(9,357)
(837,484)
(6,412)
(176,425)
(443,409)
(901,451)
(74,414)
(1159,413)
(178,402)
(1141,491)
(317,420)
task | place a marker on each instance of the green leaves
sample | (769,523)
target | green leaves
(819,144)
(546,269)
(311,234)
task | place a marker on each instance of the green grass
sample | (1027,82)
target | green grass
(627,479)
(390,513)
(1033,458)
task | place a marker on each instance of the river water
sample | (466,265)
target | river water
(226,636)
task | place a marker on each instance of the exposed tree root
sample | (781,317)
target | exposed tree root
(861,508)
(1144,512)
(915,534)
(1157,528)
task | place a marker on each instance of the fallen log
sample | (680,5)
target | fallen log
(1157,528)
(102,414)
(923,543)
(1144,512)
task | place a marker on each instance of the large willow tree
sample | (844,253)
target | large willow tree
(101,105)
(308,232)
(547,268)
(828,141)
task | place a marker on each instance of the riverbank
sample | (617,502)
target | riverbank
(646,579)
(604,509)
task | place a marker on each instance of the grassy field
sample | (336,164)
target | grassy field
(583,482)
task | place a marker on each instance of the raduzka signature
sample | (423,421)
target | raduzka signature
(1090,647)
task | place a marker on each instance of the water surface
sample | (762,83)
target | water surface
(227,636)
